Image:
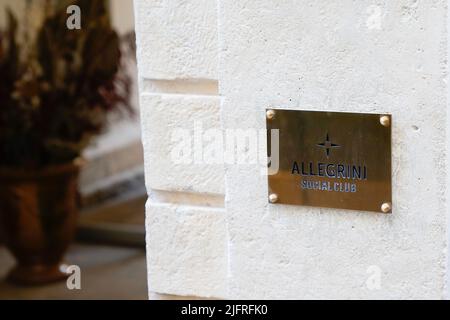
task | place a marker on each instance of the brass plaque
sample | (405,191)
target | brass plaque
(331,159)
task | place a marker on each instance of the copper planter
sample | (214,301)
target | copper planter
(38,215)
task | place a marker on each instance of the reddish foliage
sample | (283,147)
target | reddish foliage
(56,97)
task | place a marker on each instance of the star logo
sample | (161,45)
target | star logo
(328,145)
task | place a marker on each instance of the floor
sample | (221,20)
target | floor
(129,211)
(106,273)
(110,267)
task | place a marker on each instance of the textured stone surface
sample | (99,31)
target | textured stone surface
(161,116)
(177,39)
(186,231)
(388,57)
(186,250)
(339,56)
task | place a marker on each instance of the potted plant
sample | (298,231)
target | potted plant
(57,89)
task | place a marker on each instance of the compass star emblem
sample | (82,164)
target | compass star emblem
(328,145)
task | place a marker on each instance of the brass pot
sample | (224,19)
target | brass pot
(38,215)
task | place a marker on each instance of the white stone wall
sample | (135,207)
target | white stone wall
(364,56)
(186,230)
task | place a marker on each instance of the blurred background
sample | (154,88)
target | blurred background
(109,245)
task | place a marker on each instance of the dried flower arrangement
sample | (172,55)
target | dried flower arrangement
(56,92)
